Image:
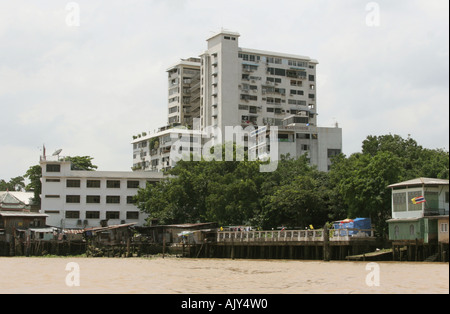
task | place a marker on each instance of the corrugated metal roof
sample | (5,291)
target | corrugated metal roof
(109,227)
(21,214)
(24,197)
(420,181)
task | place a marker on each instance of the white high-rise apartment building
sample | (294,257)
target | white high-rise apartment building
(243,87)
(184,92)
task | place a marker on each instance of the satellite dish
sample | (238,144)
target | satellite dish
(57,152)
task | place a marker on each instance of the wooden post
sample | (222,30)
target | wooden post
(416,252)
(128,246)
(164,244)
(326,244)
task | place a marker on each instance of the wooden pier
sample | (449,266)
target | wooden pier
(290,244)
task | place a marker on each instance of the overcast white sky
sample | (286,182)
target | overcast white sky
(88,89)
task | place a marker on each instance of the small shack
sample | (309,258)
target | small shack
(191,233)
(10,221)
(110,235)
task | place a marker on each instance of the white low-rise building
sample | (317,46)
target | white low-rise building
(79,199)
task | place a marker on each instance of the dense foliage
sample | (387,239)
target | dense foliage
(296,194)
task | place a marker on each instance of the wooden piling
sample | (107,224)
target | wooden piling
(326,244)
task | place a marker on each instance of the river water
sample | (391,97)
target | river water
(218,276)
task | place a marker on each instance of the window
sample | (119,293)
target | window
(411,206)
(411,230)
(93,183)
(303,136)
(72,214)
(52,180)
(112,215)
(249,97)
(296,74)
(399,202)
(73,183)
(112,199)
(276,71)
(444,227)
(274,60)
(333,152)
(247,57)
(113,184)
(53,168)
(73,199)
(296,63)
(93,199)
(273,80)
(432,200)
(133,184)
(249,68)
(396,231)
(52,196)
(296,92)
(130,200)
(51,212)
(296,102)
(446,197)
(132,215)
(92,215)
(296,83)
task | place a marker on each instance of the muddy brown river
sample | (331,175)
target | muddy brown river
(218,276)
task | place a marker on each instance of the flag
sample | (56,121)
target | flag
(418,200)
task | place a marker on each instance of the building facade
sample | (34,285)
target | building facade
(420,210)
(230,86)
(80,199)
(184,92)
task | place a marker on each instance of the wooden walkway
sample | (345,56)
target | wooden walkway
(295,237)
(294,244)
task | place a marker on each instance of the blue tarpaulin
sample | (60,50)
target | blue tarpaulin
(357,223)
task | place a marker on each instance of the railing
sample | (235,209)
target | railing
(435,211)
(292,235)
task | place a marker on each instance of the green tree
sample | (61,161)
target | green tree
(298,203)
(34,174)
(14,184)
(82,163)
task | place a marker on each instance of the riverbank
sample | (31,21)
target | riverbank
(223,276)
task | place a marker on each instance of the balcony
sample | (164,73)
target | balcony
(435,212)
